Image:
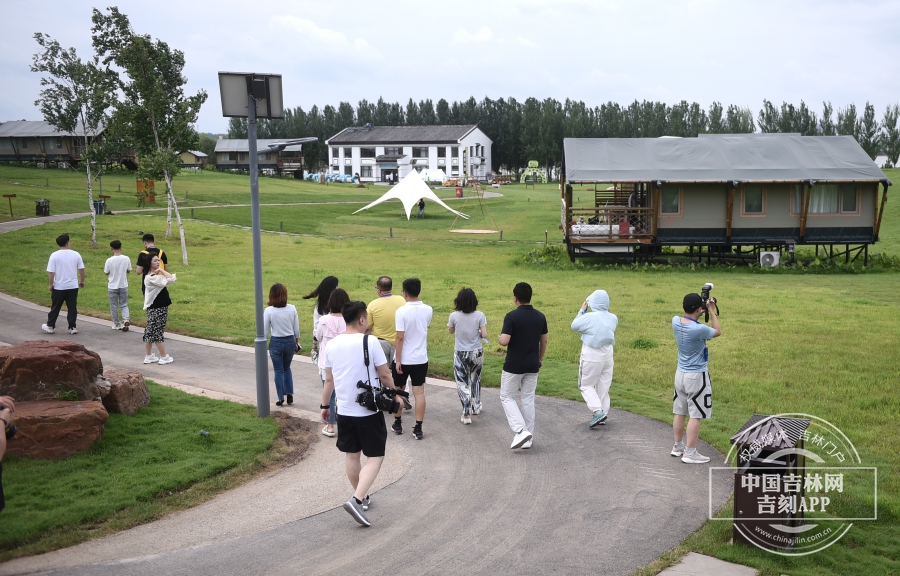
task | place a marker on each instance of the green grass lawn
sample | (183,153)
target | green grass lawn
(145,466)
(793,342)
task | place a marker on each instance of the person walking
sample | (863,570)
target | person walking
(382,314)
(350,358)
(421,212)
(595,368)
(156,303)
(525,335)
(321,294)
(693,386)
(412,320)
(329,326)
(281,321)
(65,271)
(142,266)
(116,269)
(468,325)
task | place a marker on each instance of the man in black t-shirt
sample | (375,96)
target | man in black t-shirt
(525,334)
(143,259)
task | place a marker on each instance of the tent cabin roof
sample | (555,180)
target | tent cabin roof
(34,129)
(720,158)
(238,145)
(373,135)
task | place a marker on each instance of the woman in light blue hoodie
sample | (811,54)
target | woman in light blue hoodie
(595,370)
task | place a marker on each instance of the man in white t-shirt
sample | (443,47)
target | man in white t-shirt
(116,269)
(412,320)
(360,430)
(65,271)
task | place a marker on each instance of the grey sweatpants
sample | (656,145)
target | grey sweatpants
(119,298)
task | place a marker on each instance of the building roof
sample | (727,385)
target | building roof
(198,153)
(234,145)
(450,134)
(32,129)
(720,158)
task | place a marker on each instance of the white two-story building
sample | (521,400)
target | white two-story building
(381,153)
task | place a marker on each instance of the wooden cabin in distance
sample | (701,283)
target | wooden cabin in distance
(721,195)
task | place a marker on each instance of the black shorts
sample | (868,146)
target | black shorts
(366,434)
(415,372)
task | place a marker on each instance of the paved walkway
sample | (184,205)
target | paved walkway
(604,501)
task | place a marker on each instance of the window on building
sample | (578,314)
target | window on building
(454,151)
(334,152)
(393,151)
(24,143)
(242,157)
(442,152)
(754,201)
(348,170)
(670,201)
(348,152)
(5,144)
(365,171)
(834,199)
(366,152)
(796,199)
(420,152)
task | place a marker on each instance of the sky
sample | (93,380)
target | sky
(734,52)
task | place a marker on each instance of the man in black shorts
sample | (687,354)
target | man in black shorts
(360,430)
(412,320)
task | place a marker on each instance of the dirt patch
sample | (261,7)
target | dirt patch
(295,438)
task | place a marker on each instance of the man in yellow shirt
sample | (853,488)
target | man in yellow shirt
(382,311)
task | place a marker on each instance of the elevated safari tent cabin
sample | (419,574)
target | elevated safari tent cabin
(722,195)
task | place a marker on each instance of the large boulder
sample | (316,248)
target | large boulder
(42,370)
(54,429)
(128,392)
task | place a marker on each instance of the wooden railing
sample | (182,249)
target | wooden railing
(609,224)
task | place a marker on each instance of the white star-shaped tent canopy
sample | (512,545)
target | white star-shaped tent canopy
(409,191)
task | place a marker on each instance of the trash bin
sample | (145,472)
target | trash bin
(459,192)
(768,472)
(42,207)
(99,207)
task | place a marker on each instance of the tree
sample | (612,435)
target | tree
(869,137)
(716,124)
(847,123)
(159,116)
(208,144)
(443,112)
(412,114)
(826,124)
(769,118)
(890,138)
(739,120)
(76,99)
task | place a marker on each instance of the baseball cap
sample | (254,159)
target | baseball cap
(692,302)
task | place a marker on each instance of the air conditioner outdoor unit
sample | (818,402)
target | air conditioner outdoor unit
(62,165)
(769,259)
(39,164)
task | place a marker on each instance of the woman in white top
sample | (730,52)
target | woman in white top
(280,319)
(469,326)
(322,293)
(156,303)
(329,326)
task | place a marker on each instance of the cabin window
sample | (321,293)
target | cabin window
(670,201)
(5,144)
(365,171)
(849,199)
(834,199)
(24,143)
(796,199)
(754,201)
(366,152)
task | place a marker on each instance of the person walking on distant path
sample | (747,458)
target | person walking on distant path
(116,269)
(412,320)
(354,357)
(156,303)
(142,266)
(525,334)
(280,320)
(693,386)
(382,313)
(595,369)
(65,271)
(469,326)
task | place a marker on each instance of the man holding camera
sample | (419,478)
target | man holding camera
(693,387)
(360,429)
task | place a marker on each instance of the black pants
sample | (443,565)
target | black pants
(57,297)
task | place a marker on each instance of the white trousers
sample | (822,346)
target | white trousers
(522,385)
(594,379)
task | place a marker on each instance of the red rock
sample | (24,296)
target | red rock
(55,429)
(128,392)
(38,370)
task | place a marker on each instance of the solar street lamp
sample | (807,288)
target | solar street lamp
(251,96)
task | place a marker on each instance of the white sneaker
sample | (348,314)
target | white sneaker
(520,439)
(677,450)
(151,359)
(694,457)
(527,445)
(116,326)
(477,410)
(465,419)
(73,331)
(48,329)
(166,359)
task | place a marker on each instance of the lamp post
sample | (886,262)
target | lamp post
(252,96)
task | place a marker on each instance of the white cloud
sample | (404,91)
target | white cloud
(526,42)
(310,32)
(462,36)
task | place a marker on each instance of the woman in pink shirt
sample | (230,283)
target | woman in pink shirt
(329,326)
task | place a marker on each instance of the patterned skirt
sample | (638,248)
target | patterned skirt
(156,324)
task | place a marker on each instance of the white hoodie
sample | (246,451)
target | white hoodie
(598,327)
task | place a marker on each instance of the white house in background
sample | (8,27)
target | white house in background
(378,153)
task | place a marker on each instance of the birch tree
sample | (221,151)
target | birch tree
(76,99)
(158,114)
